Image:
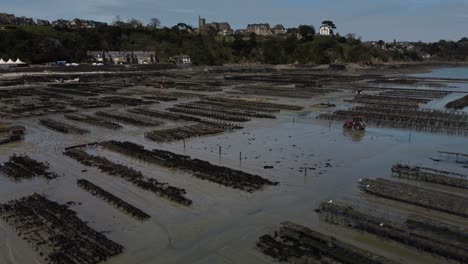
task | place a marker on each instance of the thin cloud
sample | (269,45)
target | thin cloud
(184,11)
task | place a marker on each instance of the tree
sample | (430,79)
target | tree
(104,59)
(340,38)
(291,31)
(329,23)
(117,20)
(464,39)
(238,44)
(252,42)
(135,23)
(212,31)
(182,27)
(155,22)
(352,39)
(306,32)
(273,53)
(290,44)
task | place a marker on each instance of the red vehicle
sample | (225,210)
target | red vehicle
(357,123)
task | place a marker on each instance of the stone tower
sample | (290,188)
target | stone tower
(201,23)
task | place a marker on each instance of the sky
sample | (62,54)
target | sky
(401,20)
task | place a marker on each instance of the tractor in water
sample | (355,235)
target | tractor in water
(357,123)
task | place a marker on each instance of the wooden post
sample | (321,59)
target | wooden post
(219,151)
(240,155)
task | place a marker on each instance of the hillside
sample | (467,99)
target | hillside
(42,44)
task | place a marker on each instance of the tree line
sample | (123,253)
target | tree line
(299,45)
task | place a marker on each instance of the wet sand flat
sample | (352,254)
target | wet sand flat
(313,160)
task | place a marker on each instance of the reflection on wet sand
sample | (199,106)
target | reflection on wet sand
(354,135)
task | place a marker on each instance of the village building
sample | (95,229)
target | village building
(80,23)
(260,29)
(42,22)
(241,32)
(120,24)
(10,19)
(326,30)
(221,28)
(7,19)
(123,57)
(75,23)
(96,24)
(25,21)
(279,29)
(62,23)
(181,60)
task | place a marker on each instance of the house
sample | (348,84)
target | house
(10,19)
(326,30)
(25,21)
(121,24)
(80,23)
(75,23)
(123,57)
(181,60)
(7,19)
(42,22)
(241,32)
(135,24)
(96,24)
(62,23)
(259,29)
(279,29)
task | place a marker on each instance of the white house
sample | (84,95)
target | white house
(181,60)
(326,30)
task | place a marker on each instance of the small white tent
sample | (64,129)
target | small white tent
(10,62)
(2,61)
(18,61)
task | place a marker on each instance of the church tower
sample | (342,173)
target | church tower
(201,23)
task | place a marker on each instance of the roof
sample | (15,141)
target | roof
(218,25)
(262,25)
(10,61)
(279,26)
